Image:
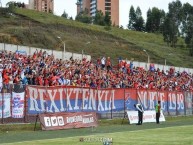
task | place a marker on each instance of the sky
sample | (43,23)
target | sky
(69,6)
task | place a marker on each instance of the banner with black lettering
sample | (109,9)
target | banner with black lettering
(56,121)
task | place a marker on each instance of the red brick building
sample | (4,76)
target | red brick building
(42,5)
(111,6)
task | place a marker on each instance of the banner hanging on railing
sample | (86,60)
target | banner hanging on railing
(148,116)
(17,105)
(62,98)
(72,99)
(55,121)
(5,110)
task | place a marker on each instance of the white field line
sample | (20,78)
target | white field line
(94,135)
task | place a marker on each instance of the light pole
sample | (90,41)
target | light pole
(83,49)
(166,60)
(147,55)
(64,46)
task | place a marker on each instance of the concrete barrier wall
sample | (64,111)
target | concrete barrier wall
(31,50)
(161,67)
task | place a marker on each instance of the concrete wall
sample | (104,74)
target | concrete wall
(31,50)
(162,67)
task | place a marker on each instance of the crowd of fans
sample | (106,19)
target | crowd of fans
(45,70)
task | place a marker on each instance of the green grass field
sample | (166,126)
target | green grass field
(175,131)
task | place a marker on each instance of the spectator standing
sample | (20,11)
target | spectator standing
(103,62)
(157,109)
(140,110)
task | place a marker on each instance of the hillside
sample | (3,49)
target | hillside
(27,27)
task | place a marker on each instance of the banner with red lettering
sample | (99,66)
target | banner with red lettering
(148,116)
(56,121)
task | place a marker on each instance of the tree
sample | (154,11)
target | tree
(99,18)
(189,33)
(148,26)
(107,19)
(172,23)
(71,18)
(15,4)
(163,16)
(132,18)
(175,14)
(170,31)
(187,11)
(139,22)
(84,17)
(64,15)
(155,19)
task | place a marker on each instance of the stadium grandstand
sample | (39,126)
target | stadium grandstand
(46,70)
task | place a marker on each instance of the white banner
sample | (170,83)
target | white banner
(148,116)
(18,105)
(5,105)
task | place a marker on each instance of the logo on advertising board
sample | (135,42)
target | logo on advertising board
(54,121)
(18,102)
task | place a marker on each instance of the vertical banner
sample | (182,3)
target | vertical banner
(5,111)
(188,102)
(17,105)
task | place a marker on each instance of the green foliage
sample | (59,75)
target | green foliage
(139,23)
(187,11)
(189,34)
(136,21)
(107,19)
(107,28)
(154,20)
(4,12)
(84,17)
(132,18)
(12,5)
(99,18)
(64,15)
(172,23)
(149,23)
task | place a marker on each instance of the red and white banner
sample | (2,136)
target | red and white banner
(5,110)
(17,105)
(148,116)
(56,121)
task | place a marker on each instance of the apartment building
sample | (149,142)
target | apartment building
(42,5)
(111,6)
